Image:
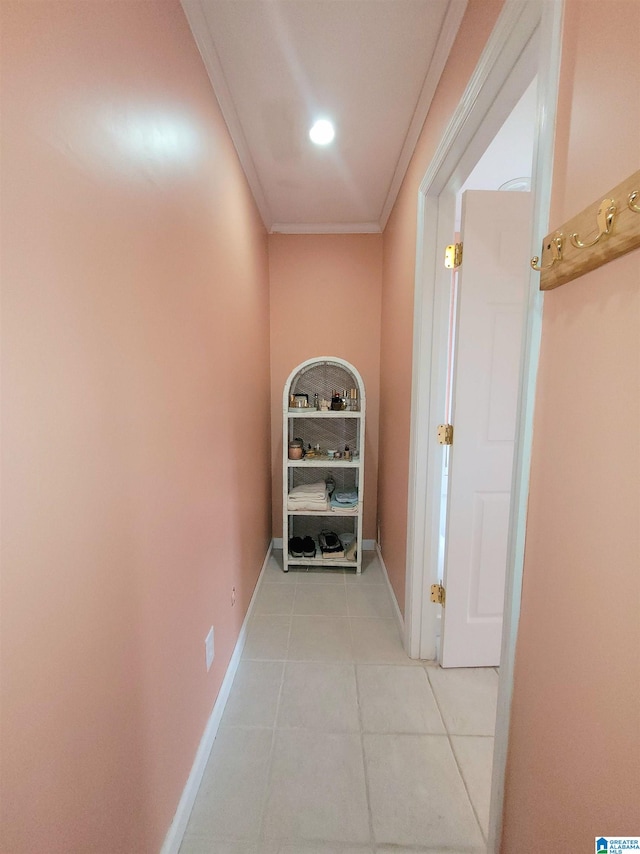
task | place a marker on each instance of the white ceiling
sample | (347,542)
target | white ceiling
(371,66)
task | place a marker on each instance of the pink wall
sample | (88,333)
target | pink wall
(136,349)
(573,754)
(398,294)
(325,301)
(573,770)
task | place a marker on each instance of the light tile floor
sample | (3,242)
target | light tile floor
(334,742)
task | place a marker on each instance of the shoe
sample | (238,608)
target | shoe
(308,547)
(296,548)
(329,542)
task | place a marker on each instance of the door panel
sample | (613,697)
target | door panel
(489,528)
(492,284)
(505,373)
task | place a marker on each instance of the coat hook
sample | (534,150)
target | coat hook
(556,254)
(632,201)
(606,214)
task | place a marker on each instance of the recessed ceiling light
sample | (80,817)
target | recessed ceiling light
(322,133)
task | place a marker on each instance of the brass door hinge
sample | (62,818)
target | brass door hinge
(445,434)
(438,594)
(453,256)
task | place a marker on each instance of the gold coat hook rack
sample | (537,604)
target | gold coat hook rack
(606,215)
(617,232)
(555,246)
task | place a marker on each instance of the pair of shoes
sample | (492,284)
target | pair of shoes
(299,547)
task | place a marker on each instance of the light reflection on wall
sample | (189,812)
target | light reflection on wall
(153,143)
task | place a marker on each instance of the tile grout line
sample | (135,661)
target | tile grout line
(353,665)
(435,700)
(375,663)
(364,758)
(466,788)
(395,733)
(261,837)
(274,733)
(455,759)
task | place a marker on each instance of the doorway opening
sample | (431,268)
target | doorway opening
(525,42)
(474,514)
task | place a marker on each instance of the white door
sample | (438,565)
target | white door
(492,282)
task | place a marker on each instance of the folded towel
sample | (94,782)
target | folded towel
(348,497)
(318,506)
(343,508)
(306,491)
(318,500)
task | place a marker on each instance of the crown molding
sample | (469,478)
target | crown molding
(446,37)
(197,20)
(325,228)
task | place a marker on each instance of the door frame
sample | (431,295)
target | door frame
(526,40)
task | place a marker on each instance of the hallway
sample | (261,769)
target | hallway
(334,741)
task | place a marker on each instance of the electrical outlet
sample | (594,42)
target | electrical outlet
(208,649)
(233,596)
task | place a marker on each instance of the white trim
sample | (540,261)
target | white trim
(175,834)
(548,81)
(197,19)
(367,545)
(446,37)
(396,608)
(325,228)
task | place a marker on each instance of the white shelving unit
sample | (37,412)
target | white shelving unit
(332,430)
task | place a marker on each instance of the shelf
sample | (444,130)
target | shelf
(316,413)
(319,561)
(329,513)
(310,464)
(329,429)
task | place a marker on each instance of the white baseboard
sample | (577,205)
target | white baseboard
(396,607)
(175,834)
(367,545)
